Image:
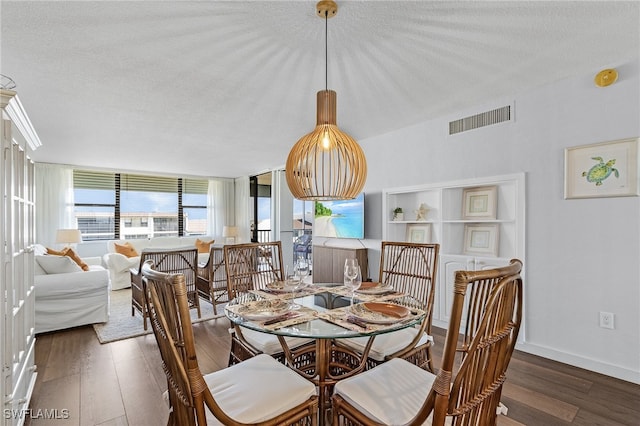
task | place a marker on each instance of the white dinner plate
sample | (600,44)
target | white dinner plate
(278,287)
(264,309)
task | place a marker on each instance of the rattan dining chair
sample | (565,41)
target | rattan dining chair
(398,392)
(212,279)
(409,268)
(251,266)
(175,261)
(261,391)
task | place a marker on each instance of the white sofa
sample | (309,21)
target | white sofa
(66,296)
(119,264)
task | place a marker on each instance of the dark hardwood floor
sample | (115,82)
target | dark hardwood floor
(121,383)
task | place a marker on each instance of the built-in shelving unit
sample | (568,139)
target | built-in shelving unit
(465,243)
(17,295)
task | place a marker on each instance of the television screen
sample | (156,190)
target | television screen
(339,219)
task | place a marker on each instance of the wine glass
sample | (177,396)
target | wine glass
(353,282)
(350,265)
(301,270)
(291,284)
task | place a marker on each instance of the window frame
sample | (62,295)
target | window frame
(200,187)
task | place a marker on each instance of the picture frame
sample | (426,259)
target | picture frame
(482,239)
(419,233)
(605,169)
(480,202)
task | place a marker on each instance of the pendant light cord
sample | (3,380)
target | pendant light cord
(326,50)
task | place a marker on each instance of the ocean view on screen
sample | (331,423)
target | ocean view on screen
(339,219)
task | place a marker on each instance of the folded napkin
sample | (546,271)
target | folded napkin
(344,318)
(343,291)
(268,293)
(291,318)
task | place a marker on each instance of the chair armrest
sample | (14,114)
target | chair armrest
(119,262)
(70,283)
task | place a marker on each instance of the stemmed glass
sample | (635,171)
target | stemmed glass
(291,284)
(301,270)
(352,276)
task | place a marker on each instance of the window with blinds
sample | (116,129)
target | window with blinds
(125,206)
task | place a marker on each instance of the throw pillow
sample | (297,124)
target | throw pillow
(68,251)
(126,249)
(203,246)
(56,252)
(53,264)
(72,254)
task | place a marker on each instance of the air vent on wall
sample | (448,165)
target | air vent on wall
(487,118)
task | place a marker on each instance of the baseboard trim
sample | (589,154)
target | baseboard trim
(611,370)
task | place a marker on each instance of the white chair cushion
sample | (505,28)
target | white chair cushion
(257,389)
(391,393)
(203,258)
(269,343)
(387,343)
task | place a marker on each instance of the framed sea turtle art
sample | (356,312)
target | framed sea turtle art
(607,169)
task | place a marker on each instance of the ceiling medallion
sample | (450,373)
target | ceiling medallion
(326,164)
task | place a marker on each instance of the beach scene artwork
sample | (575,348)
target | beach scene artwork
(339,219)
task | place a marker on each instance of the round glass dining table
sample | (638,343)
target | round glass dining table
(323,313)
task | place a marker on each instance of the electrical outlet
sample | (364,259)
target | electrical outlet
(606,320)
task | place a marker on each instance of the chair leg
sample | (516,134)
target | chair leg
(430,361)
(195,302)
(213,302)
(144,318)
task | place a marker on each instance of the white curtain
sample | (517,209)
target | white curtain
(242,216)
(221,207)
(282,214)
(54,201)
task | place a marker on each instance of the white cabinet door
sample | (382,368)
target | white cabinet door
(17,295)
(448,267)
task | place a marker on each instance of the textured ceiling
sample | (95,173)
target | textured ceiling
(213,88)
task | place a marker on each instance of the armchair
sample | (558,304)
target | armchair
(260,392)
(212,278)
(412,269)
(490,301)
(184,261)
(67,298)
(248,267)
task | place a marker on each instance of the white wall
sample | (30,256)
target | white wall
(582,255)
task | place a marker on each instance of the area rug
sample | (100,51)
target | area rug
(122,325)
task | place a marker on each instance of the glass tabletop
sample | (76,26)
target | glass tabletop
(323,313)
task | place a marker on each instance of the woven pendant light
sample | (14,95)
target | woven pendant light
(326,164)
